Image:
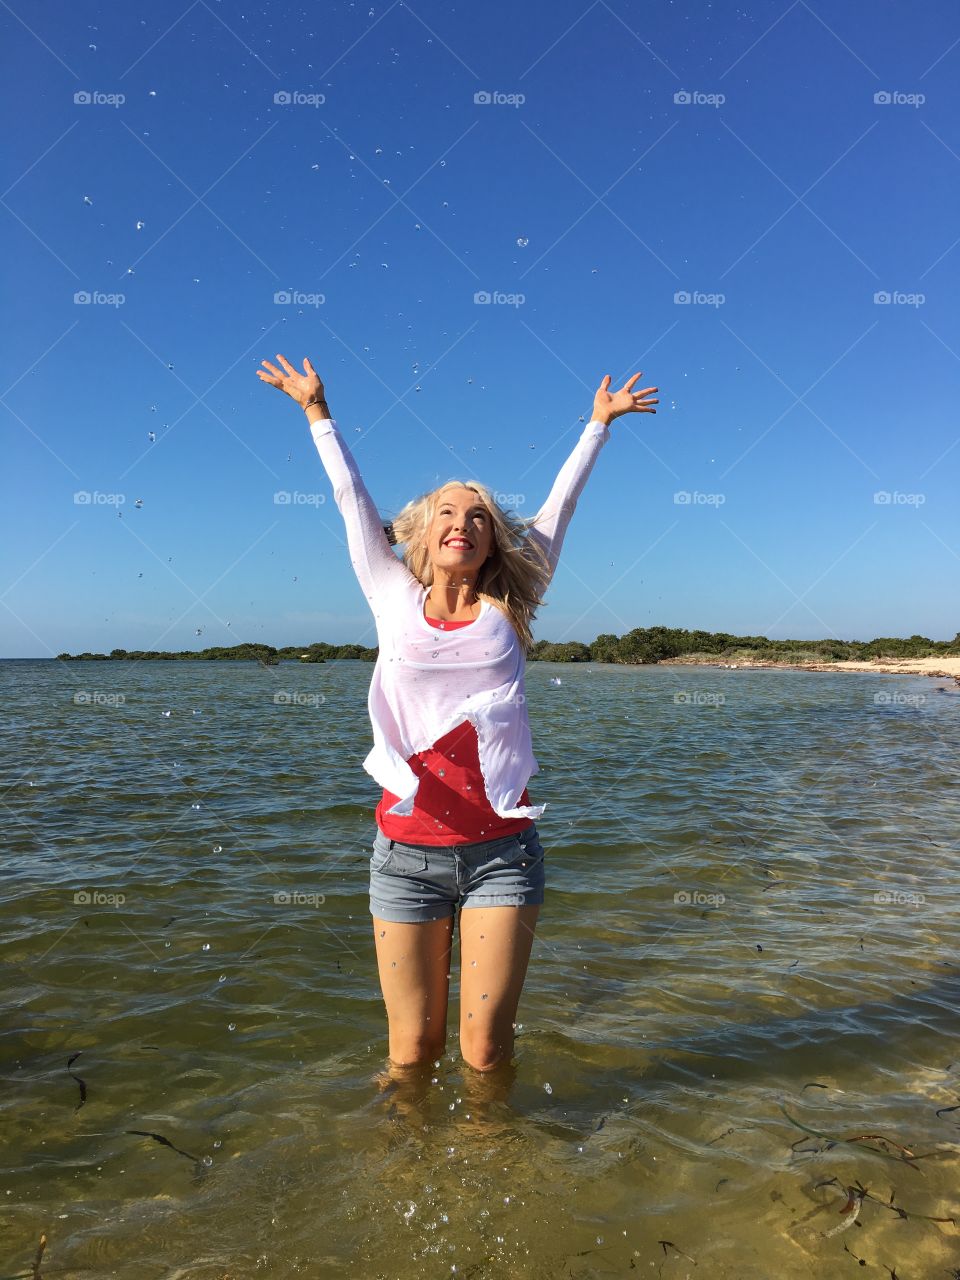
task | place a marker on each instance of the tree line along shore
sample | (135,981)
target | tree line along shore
(641,646)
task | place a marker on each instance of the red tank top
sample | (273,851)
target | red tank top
(451,805)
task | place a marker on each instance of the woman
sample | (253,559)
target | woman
(452,751)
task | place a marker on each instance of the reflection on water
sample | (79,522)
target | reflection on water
(750,933)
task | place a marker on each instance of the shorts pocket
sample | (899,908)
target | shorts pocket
(398,860)
(523,850)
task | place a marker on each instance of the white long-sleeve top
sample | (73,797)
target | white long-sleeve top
(426,682)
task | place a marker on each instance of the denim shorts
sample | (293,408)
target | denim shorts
(413,883)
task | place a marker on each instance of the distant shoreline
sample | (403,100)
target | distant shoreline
(944,667)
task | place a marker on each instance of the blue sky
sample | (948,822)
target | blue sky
(628,157)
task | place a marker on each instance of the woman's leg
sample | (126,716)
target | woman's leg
(495,944)
(414,962)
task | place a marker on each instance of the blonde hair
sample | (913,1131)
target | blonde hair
(514,577)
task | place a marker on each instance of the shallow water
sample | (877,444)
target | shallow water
(752,903)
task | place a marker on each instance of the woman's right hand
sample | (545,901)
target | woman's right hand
(302,387)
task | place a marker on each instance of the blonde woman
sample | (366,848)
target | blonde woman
(457,835)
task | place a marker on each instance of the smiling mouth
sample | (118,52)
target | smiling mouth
(459,544)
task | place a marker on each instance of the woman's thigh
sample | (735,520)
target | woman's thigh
(495,945)
(414,964)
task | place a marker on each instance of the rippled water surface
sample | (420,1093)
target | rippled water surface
(751,925)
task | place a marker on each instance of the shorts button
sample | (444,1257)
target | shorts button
(457,848)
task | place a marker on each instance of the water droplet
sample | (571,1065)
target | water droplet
(152,436)
(206,946)
(443,774)
(193,806)
(140,225)
(222,978)
(522,241)
(218,848)
(207,1161)
(485,996)
(87,200)
(548,1088)
(231,1026)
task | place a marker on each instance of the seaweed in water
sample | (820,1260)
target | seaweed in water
(198,1164)
(80,1082)
(906,1156)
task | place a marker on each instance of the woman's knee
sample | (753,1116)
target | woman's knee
(484,1050)
(409,1049)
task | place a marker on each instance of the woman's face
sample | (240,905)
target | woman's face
(461,535)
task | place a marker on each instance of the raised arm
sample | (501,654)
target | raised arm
(378,569)
(551,521)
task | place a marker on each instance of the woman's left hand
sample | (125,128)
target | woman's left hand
(606,407)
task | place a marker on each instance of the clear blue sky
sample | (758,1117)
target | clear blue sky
(796,398)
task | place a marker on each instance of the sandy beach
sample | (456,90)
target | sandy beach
(948,666)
